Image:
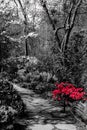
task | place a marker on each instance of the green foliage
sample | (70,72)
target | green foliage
(5,46)
(9,97)
(74,58)
(9,68)
(11,105)
(75,55)
(7,114)
(7,117)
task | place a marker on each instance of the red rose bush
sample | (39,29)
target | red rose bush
(67,92)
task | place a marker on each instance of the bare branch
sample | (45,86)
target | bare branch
(13,39)
(23,11)
(15,3)
(56,34)
(75,13)
(68,19)
(43,3)
(59,28)
(69,24)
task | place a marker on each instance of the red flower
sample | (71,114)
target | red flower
(55,93)
(66,91)
(59,86)
(79,89)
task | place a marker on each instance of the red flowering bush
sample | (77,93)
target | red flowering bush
(67,92)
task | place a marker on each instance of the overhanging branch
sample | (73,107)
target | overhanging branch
(59,28)
(43,3)
(75,13)
(56,34)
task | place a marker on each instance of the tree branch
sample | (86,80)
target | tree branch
(13,39)
(68,19)
(43,3)
(75,13)
(69,24)
(15,3)
(59,28)
(56,34)
(23,11)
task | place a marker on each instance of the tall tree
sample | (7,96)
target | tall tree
(68,23)
(25,25)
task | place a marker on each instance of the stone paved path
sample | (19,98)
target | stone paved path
(44,115)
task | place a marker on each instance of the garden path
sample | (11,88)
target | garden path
(45,115)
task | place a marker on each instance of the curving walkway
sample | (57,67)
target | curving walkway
(44,115)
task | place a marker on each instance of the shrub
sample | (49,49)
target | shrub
(11,105)
(7,114)
(67,92)
(5,46)
(9,97)
(75,60)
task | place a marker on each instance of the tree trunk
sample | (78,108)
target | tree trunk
(65,40)
(64,109)
(26,47)
(25,26)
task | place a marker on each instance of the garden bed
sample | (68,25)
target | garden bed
(11,106)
